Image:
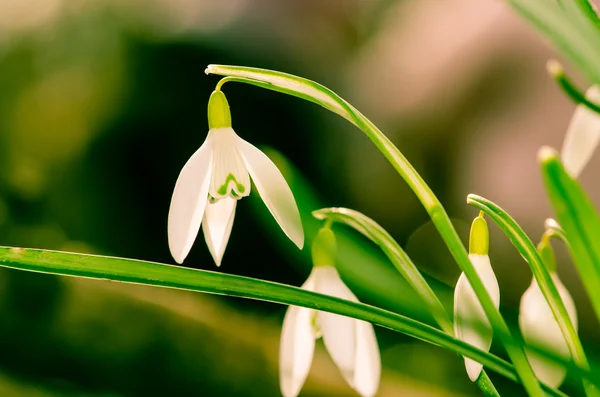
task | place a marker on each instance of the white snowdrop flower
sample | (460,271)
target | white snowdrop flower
(470,322)
(215,178)
(351,343)
(583,135)
(539,327)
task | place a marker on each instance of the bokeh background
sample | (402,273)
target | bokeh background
(102,102)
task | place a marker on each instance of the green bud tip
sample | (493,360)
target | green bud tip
(219,115)
(324,248)
(479,240)
(546,252)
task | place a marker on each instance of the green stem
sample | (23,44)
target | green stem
(401,261)
(555,230)
(167,276)
(314,92)
(486,386)
(558,73)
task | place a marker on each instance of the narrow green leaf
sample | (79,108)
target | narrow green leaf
(314,92)
(577,215)
(527,249)
(373,231)
(486,386)
(162,275)
(381,285)
(572,25)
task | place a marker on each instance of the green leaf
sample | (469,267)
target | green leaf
(572,25)
(373,231)
(162,275)
(527,249)
(381,285)
(402,262)
(314,92)
(577,215)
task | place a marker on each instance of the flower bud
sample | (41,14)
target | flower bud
(470,322)
(540,329)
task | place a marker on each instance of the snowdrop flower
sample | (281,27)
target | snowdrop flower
(470,322)
(539,327)
(350,342)
(583,135)
(215,178)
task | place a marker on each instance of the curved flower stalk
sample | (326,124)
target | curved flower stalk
(215,178)
(583,135)
(314,92)
(539,327)
(351,343)
(470,322)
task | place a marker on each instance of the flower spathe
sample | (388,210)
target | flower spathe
(470,322)
(215,178)
(351,343)
(540,329)
(583,135)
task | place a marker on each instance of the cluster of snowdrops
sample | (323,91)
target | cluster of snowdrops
(220,173)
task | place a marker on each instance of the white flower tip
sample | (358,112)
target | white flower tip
(209,69)
(583,135)
(555,68)
(546,153)
(473,369)
(297,237)
(289,386)
(179,258)
(178,251)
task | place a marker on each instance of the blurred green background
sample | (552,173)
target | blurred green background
(102,102)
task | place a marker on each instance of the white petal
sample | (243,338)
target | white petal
(274,191)
(229,177)
(368,362)
(540,329)
(188,202)
(217,223)
(582,135)
(470,322)
(350,342)
(297,346)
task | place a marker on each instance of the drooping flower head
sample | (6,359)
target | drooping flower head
(470,322)
(215,178)
(351,343)
(539,327)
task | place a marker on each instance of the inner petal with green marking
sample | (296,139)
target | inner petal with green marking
(230,177)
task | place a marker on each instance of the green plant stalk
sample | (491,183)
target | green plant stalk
(579,218)
(556,230)
(571,25)
(527,249)
(314,92)
(558,73)
(401,261)
(486,386)
(176,277)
